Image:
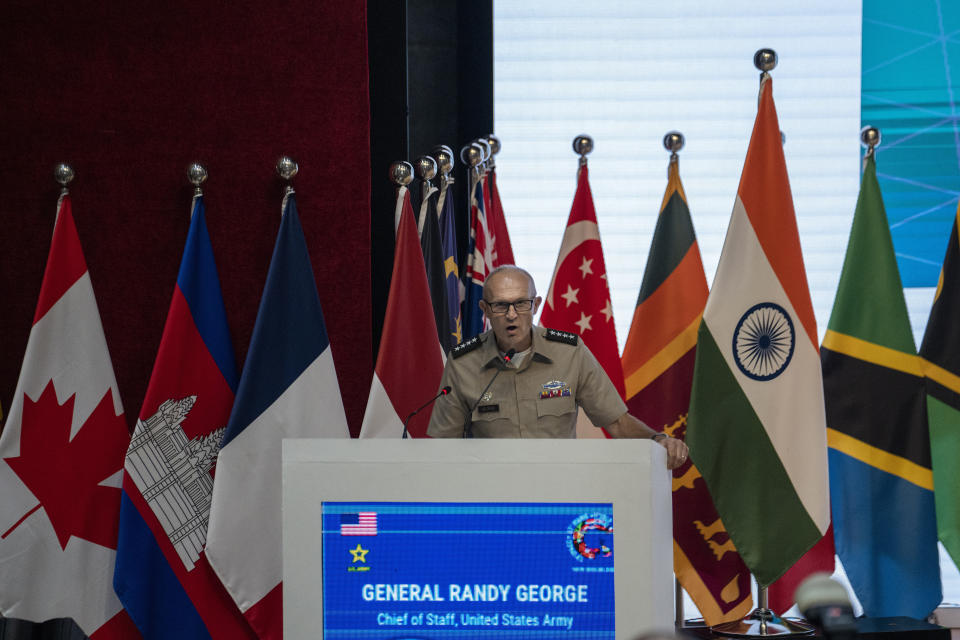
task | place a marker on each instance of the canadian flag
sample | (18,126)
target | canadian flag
(61,457)
(578,299)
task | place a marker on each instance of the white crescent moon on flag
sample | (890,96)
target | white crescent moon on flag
(575,234)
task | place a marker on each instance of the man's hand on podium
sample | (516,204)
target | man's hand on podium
(627,426)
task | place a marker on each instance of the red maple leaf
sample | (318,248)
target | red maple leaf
(65,474)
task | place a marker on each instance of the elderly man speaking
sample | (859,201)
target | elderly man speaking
(521,381)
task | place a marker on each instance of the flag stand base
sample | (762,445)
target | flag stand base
(762,622)
(756,626)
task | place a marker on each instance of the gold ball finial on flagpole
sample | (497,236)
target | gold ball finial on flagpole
(444,157)
(582,145)
(287,168)
(64,175)
(487,149)
(870,138)
(426,168)
(471,154)
(494,144)
(765,60)
(673,141)
(401,173)
(197,175)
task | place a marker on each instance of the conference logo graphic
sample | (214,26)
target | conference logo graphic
(590,536)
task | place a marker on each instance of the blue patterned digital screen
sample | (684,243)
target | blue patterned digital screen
(409,571)
(910,72)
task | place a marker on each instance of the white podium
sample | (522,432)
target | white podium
(629,474)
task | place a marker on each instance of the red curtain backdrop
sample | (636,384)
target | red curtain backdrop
(131,93)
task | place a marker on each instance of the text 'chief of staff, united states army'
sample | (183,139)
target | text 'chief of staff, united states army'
(537,392)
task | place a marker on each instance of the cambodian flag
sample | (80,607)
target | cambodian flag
(162,576)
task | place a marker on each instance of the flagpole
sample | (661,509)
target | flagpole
(401,174)
(444,157)
(287,168)
(425,168)
(673,142)
(870,138)
(763,622)
(582,145)
(487,156)
(197,175)
(471,155)
(64,175)
(494,142)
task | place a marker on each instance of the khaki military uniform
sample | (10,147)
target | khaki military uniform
(537,399)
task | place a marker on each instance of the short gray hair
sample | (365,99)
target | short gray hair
(509,267)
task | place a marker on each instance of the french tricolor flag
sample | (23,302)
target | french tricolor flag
(162,575)
(288,389)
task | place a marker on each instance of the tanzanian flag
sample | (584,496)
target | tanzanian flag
(941,364)
(658,372)
(881,484)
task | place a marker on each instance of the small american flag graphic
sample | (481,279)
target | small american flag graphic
(359,524)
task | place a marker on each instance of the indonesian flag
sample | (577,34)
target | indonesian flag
(578,300)
(62,455)
(410,361)
(757,426)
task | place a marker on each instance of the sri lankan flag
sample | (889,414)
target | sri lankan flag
(658,370)
(881,484)
(941,364)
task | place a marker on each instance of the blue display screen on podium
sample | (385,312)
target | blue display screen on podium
(417,570)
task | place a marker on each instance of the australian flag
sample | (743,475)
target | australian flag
(479,264)
(161,574)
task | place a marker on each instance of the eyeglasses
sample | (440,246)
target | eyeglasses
(522,305)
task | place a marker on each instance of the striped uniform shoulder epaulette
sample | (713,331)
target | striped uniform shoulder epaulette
(466,347)
(561,336)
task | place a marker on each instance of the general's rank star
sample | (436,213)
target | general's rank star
(359,554)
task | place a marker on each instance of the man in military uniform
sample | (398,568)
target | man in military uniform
(542,376)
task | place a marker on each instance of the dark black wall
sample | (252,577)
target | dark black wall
(431,82)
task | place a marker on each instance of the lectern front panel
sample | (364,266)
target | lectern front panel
(468,570)
(454,539)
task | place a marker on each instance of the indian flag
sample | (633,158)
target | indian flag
(756,427)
